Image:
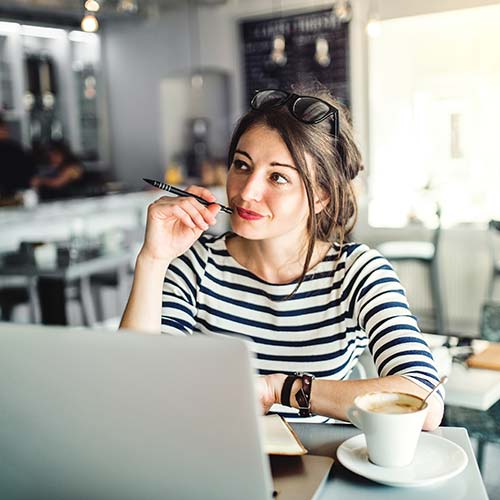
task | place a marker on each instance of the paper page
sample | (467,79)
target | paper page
(279,438)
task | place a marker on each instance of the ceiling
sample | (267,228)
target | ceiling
(69,12)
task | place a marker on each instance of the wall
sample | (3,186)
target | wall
(136,58)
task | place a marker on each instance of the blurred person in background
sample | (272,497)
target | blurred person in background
(60,178)
(16,165)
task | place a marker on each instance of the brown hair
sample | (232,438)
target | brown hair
(336,163)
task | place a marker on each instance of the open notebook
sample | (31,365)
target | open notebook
(279,438)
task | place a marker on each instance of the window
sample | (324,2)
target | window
(435,118)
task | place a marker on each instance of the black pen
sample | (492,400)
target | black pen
(180,192)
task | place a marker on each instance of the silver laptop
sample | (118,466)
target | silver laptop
(101,415)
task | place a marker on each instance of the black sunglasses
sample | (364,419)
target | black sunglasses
(307,109)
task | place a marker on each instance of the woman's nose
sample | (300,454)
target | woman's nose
(252,189)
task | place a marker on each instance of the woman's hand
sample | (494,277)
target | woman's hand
(269,390)
(174,224)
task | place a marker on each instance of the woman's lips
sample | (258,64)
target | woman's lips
(248,214)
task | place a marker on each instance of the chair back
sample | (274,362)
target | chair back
(494,230)
(490,322)
(436,237)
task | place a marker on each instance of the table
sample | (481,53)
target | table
(483,425)
(60,220)
(46,285)
(472,401)
(322,439)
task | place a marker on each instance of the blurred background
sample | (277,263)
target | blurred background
(96,94)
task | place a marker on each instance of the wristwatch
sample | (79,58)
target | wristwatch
(303,395)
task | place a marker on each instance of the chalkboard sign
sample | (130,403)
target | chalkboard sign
(300,48)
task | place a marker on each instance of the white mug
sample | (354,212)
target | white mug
(392,423)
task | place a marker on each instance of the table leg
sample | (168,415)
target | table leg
(88,309)
(33,300)
(481,444)
(52,297)
(122,283)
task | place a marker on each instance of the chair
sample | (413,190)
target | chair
(10,298)
(494,230)
(46,297)
(132,239)
(489,328)
(426,253)
(14,291)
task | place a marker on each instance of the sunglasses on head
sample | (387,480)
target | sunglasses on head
(307,109)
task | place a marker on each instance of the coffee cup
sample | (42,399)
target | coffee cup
(392,423)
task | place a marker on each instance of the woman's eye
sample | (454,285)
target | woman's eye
(278,178)
(240,165)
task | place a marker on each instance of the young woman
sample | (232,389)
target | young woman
(285,278)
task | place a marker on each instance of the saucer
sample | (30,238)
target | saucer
(436,459)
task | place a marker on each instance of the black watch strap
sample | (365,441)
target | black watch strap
(287,389)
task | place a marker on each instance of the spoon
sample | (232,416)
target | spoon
(443,380)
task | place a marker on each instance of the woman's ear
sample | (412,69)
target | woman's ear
(321,200)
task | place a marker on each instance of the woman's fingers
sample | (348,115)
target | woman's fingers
(184,217)
(201,192)
(202,216)
(184,210)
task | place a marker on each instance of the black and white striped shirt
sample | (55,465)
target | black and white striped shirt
(347,302)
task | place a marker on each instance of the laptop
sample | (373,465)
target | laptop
(87,414)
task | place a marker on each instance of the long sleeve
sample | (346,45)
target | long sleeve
(380,306)
(180,289)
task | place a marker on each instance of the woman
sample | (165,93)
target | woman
(62,174)
(285,278)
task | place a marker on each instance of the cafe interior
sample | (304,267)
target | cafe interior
(122,90)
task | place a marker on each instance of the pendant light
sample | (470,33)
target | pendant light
(92,5)
(373,26)
(322,53)
(278,52)
(89,22)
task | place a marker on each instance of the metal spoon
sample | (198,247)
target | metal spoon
(443,380)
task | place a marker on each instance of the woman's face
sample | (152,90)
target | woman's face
(264,188)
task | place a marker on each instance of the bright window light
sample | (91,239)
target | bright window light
(434,114)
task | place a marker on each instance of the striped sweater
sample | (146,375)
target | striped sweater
(351,300)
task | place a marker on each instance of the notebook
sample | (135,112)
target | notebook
(100,415)
(472,387)
(279,438)
(488,358)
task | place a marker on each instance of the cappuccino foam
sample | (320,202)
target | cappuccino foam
(393,407)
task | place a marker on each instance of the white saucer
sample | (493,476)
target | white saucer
(436,459)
